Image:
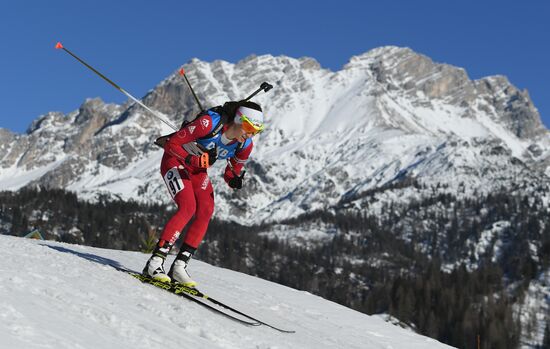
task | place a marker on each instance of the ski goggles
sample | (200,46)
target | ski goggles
(248,126)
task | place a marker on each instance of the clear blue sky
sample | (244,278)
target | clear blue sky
(138,43)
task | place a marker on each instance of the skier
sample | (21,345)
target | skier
(218,133)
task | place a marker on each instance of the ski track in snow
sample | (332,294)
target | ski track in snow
(55,295)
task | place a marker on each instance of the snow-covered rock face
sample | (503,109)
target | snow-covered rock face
(388,114)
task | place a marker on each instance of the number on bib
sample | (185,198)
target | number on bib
(173,181)
(211,145)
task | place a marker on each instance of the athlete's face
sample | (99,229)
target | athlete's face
(244,135)
(238,133)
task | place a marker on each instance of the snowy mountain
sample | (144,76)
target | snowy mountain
(57,295)
(434,164)
(387,115)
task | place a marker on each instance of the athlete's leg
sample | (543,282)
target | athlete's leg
(204,197)
(180,185)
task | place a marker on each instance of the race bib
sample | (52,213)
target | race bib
(173,181)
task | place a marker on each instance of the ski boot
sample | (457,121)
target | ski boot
(155,265)
(178,272)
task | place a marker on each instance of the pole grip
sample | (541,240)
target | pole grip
(264,86)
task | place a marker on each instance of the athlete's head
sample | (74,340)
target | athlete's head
(248,121)
(250,116)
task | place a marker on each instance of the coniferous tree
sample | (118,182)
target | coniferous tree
(408,243)
(546,339)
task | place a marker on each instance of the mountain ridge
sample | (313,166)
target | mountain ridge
(388,112)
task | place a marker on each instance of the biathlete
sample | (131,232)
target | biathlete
(188,154)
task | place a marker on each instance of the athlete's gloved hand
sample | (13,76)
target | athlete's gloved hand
(212,155)
(205,160)
(237,181)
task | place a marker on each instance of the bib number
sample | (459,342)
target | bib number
(222,152)
(173,181)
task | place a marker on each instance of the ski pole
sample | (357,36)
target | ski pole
(182,72)
(264,86)
(158,116)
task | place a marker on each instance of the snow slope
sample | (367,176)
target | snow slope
(55,295)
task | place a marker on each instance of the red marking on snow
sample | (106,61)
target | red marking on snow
(58,45)
(182,72)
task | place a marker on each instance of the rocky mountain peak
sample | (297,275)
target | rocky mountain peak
(411,72)
(88,109)
(401,71)
(5,135)
(389,114)
(47,121)
(513,107)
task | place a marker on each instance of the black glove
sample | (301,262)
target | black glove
(212,155)
(237,181)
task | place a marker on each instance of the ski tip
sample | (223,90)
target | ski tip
(182,72)
(58,45)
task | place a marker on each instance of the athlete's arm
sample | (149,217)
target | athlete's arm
(237,162)
(196,129)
